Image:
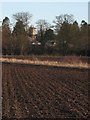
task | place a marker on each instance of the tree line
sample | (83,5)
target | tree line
(64,37)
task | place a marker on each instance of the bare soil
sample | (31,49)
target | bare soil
(35,91)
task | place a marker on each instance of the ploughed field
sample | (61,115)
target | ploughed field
(36,91)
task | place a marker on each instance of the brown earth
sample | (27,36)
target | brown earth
(31,91)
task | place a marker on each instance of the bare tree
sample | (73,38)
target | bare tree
(24,17)
(42,24)
(61,19)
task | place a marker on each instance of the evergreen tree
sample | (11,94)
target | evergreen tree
(20,35)
(6,36)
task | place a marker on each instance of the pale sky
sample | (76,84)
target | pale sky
(44,0)
(45,10)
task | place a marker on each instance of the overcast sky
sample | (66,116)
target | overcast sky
(45,10)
